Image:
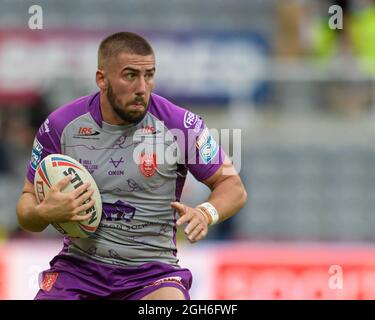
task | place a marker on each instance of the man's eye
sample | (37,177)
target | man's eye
(130,76)
(149,75)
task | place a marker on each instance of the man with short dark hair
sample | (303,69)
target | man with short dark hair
(129,145)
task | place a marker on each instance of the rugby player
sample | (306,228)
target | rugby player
(121,134)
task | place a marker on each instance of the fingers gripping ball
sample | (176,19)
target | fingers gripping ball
(53,169)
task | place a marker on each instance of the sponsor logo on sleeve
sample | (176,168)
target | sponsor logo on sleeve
(202,138)
(189,119)
(44,127)
(207,146)
(36,154)
(198,125)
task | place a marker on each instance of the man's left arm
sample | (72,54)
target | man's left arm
(227,197)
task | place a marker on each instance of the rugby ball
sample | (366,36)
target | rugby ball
(53,169)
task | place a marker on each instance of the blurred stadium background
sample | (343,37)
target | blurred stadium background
(302,94)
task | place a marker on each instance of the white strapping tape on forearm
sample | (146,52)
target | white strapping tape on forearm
(211,211)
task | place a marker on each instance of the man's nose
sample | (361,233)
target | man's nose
(141,86)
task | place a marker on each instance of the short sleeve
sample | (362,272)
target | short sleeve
(204,156)
(198,150)
(47,141)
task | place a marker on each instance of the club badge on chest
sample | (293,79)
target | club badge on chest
(147,164)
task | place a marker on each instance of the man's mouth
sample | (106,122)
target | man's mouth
(138,102)
(137,105)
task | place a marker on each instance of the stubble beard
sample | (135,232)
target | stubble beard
(128,117)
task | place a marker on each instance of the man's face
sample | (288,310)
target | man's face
(130,82)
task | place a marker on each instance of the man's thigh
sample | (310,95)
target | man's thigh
(165,293)
(166,290)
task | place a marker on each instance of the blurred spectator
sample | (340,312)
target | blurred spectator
(21,119)
(303,30)
(4,164)
(326,43)
(342,55)
(354,42)
(292,17)
(350,50)
(363,34)
(20,116)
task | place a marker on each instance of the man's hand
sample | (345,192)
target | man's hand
(60,206)
(197,223)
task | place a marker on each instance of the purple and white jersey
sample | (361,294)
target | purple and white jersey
(139,169)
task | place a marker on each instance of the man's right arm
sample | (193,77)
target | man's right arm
(27,210)
(57,206)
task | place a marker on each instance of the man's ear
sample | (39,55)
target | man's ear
(101,80)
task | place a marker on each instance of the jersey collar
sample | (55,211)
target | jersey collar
(94,108)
